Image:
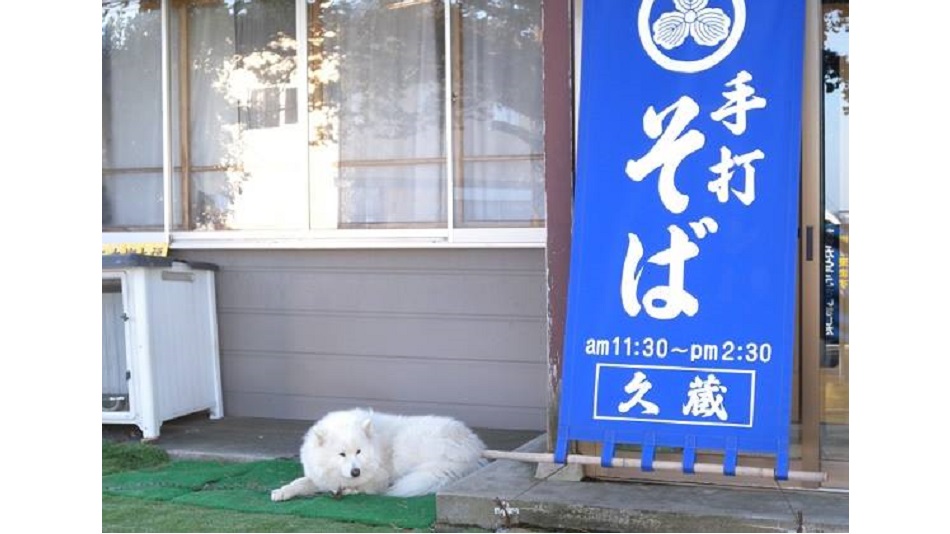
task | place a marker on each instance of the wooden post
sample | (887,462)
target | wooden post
(556,43)
(184,112)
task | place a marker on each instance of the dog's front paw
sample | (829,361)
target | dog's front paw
(278,495)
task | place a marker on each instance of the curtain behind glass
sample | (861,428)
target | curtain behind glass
(131,116)
(377,100)
(245,145)
(501,178)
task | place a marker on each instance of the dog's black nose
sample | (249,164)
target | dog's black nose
(355,472)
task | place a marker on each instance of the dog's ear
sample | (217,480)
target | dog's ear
(368,427)
(320,435)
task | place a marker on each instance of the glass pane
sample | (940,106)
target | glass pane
(239,146)
(500,136)
(376,101)
(131,116)
(834,362)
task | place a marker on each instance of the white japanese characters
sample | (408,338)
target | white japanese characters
(706,398)
(739,102)
(720,186)
(638,387)
(677,137)
(661,302)
(673,144)
(671,147)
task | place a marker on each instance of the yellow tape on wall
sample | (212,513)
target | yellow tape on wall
(148,249)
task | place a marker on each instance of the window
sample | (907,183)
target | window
(408,120)
(131,116)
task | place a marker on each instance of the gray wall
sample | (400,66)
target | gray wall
(455,332)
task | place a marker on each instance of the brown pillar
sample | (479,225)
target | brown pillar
(557,47)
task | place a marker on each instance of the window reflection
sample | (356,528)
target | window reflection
(500,177)
(238,140)
(377,142)
(132,191)
(358,140)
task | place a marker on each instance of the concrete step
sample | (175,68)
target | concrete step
(507,495)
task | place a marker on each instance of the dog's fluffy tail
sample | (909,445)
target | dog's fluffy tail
(430,478)
(416,483)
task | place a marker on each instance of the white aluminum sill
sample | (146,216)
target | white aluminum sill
(341,239)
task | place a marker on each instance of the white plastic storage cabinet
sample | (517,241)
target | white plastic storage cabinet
(159,341)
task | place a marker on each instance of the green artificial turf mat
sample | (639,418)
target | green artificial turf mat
(246,487)
(117,457)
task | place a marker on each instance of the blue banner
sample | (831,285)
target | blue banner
(680,312)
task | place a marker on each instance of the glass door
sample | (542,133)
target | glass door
(822,374)
(834,347)
(115,384)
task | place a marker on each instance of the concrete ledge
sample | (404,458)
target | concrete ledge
(477,500)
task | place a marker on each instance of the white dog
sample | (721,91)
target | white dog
(361,451)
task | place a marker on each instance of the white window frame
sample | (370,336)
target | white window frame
(446,237)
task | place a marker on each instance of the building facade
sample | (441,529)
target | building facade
(386,186)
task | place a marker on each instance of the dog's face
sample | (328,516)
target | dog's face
(345,452)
